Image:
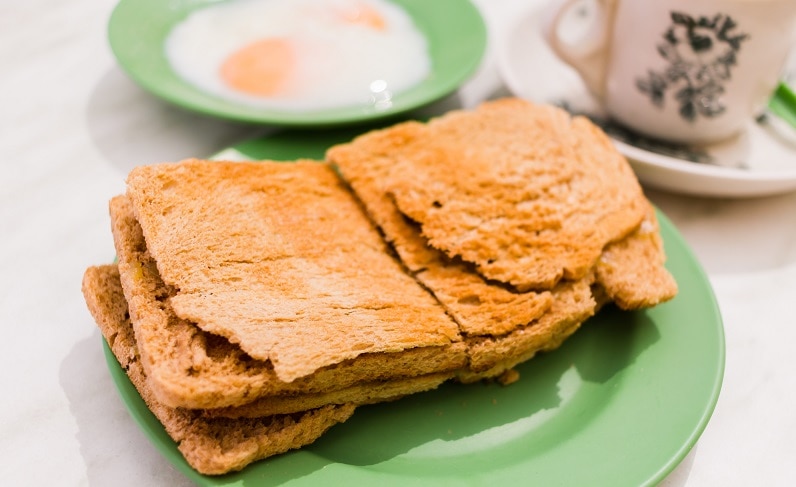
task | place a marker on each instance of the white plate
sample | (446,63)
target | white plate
(760,162)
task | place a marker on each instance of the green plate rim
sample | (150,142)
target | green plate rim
(457,43)
(694,285)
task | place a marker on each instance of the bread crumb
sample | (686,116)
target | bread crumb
(508,377)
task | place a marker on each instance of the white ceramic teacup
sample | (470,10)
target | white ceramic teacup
(689,71)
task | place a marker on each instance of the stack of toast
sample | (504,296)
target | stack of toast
(255,305)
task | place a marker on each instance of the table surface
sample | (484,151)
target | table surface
(72,125)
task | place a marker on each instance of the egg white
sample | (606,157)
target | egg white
(338,64)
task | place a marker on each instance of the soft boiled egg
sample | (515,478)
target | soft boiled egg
(300,55)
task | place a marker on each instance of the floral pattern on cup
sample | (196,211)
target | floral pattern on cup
(700,53)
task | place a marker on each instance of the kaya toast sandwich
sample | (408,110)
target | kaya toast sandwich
(544,196)
(249,280)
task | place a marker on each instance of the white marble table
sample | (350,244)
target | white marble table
(72,125)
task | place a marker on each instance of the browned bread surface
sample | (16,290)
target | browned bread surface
(526,193)
(191,368)
(210,445)
(279,259)
(479,307)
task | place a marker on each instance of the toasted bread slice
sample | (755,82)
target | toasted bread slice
(502,326)
(191,368)
(524,192)
(279,259)
(212,446)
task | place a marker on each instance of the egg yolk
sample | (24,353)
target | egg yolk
(261,68)
(363,14)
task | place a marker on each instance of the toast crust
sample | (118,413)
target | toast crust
(212,446)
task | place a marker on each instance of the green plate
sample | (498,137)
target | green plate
(137,29)
(620,403)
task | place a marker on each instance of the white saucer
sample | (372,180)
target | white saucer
(762,161)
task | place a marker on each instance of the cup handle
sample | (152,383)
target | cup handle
(587,55)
